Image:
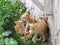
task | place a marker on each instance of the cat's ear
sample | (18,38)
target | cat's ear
(26,13)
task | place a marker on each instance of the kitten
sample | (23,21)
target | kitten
(19,27)
(28,18)
(40,28)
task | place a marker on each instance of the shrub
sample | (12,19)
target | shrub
(11,11)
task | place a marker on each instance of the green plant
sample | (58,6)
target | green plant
(35,42)
(10,41)
(6,41)
(11,11)
(1,40)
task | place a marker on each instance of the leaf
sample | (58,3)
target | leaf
(1,42)
(38,42)
(10,41)
(31,43)
(9,13)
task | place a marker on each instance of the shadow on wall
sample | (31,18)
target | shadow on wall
(48,43)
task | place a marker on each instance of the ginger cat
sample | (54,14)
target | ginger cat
(40,28)
(19,27)
(28,18)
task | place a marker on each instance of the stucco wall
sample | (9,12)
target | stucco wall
(52,9)
(57,22)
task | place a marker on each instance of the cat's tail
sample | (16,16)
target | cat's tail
(48,29)
(44,18)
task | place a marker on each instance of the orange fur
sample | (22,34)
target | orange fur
(27,17)
(40,27)
(45,19)
(19,27)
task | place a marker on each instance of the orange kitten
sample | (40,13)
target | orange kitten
(28,18)
(40,28)
(19,27)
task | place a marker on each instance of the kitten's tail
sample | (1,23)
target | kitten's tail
(48,30)
(45,19)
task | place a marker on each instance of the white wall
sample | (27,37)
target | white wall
(57,22)
(52,7)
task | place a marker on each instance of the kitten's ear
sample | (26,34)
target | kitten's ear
(26,13)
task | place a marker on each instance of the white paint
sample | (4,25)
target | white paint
(57,21)
(54,21)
